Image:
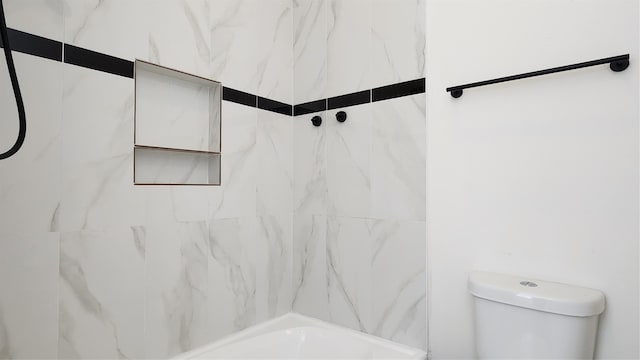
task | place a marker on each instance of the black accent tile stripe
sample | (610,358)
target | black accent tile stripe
(310,107)
(239,97)
(407,88)
(53,50)
(97,61)
(357,98)
(274,106)
(34,45)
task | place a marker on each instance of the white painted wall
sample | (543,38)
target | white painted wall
(537,177)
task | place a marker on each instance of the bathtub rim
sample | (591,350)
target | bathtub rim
(294,320)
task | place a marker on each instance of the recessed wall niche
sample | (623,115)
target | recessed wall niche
(177,127)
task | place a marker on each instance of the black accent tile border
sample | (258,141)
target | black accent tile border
(310,107)
(34,45)
(239,97)
(353,99)
(275,106)
(53,50)
(97,61)
(406,88)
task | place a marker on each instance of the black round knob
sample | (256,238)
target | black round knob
(341,116)
(456,93)
(316,121)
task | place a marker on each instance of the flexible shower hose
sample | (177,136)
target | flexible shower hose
(16,88)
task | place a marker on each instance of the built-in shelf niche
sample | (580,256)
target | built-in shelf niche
(177,127)
(159,166)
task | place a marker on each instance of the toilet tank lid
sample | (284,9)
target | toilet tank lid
(536,294)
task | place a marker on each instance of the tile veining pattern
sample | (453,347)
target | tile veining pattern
(93,267)
(359,198)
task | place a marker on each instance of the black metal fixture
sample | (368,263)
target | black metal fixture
(22,120)
(341,116)
(316,121)
(616,63)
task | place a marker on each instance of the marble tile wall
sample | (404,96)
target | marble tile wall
(397,41)
(29,266)
(313,219)
(344,46)
(348,46)
(101,294)
(251,46)
(359,197)
(93,267)
(310,50)
(359,256)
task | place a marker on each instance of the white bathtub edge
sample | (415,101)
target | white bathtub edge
(361,335)
(292,320)
(255,330)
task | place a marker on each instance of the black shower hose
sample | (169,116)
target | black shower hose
(16,88)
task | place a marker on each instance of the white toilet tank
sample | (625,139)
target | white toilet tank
(517,317)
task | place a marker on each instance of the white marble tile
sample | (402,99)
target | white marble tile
(348,162)
(398,41)
(236,197)
(160,204)
(99,195)
(102,294)
(97,152)
(29,297)
(40,17)
(399,286)
(275,163)
(310,50)
(310,165)
(116,27)
(348,46)
(180,36)
(349,272)
(189,203)
(310,295)
(398,166)
(274,37)
(177,288)
(273,272)
(234,43)
(30,180)
(232,275)
(174,203)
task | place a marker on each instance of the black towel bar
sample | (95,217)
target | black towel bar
(616,63)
